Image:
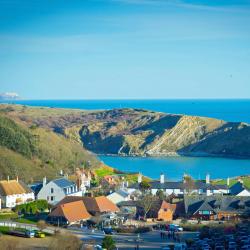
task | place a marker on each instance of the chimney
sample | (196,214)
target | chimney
(17,178)
(207,179)
(139,178)
(228,181)
(44,181)
(162,178)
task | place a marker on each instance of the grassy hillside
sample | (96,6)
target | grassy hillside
(34,152)
(140,132)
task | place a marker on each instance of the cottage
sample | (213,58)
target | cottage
(69,213)
(179,188)
(239,189)
(14,192)
(216,207)
(56,190)
(118,196)
(160,210)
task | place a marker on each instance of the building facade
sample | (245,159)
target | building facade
(55,190)
(14,192)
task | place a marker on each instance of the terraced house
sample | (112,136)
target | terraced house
(14,192)
(180,188)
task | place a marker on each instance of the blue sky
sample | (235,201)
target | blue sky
(119,49)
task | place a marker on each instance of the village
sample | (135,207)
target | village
(114,205)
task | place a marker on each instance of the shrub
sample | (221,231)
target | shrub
(108,243)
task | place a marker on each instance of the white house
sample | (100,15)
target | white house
(118,196)
(14,192)
(55,190)
(179,188)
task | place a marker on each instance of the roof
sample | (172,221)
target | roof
(179,185)
(63,182)
(105,205)
(129,203)
(237,188)
(13,187)
(72,211)
(36,187)
(239,205)
(93,204)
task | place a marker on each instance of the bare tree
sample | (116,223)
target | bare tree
(189,184)
(146,203)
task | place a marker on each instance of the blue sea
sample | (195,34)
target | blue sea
(173,167)
(237,110)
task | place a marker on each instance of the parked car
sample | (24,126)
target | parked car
(175,227)
(39,234)
(108,230)
(22,233)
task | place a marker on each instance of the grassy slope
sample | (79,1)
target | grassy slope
(46,152)
(245,179)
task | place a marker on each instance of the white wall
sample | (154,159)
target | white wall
(45,193)
(11,199)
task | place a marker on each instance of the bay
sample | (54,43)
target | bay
(175,167)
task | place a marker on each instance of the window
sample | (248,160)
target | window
(52,190)
(52,198)
(47,198)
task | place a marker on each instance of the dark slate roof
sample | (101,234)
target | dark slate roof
(130,203)
(122,193)
(237,188)
(36,187)
(236,204)
(63,183)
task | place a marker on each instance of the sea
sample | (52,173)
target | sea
(233,110)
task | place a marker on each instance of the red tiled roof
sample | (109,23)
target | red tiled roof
(93,204)
(72,211)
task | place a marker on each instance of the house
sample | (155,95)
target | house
(69,213)
(216,207)
(14,192)
(56,190)
(109,180)
(179,188)
(94,205)
(84,178)
(239,189)
(118,196)
(128,207)
(160,210)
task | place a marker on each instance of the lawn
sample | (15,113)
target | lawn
(8,216)
(103,171)
(245,179)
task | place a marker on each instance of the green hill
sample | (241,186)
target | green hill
(32,152)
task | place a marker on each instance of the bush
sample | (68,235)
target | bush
(108,243)
(142,230)
(33,207)
(8,216)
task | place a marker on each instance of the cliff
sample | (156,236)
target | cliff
(140,132)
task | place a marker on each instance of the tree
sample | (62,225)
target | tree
(146,203)
(144,185)
(41,225)
(160,194)
(189,184)
(108,243)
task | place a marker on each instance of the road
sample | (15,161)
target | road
(150,240)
